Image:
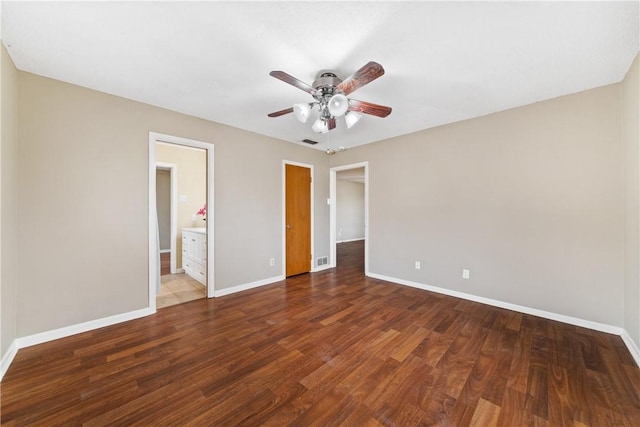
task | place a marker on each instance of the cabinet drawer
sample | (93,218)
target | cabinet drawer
(198,271)
(200,275)
(187,266)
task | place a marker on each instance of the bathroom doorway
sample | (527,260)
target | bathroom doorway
(183,233)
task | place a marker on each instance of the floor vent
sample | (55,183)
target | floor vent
(322,261)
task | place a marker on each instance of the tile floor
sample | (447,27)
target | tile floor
(178,288)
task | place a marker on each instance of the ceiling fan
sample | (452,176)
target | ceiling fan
(330,98)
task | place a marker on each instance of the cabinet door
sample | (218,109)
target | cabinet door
(200,273)
(191,244)
(200,249)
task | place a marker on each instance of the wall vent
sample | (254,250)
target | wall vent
(309,141)
(322,261)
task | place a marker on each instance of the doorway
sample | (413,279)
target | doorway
(190,164)
(188,232)
(349,214)
(297,218)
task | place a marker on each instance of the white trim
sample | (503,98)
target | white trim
(173,177)
(247,286)
(165,251)
(79,328)
(631,345)
(322,268)
(501,304)
(67,331)
(179,270)
(332,212)
(351,240)
(8,358)
(284,213)
(153,268)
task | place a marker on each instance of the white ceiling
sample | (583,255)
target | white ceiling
(444,61)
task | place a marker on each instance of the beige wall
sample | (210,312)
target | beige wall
(530,200)
(83,194)
(192,182)
(631,141)
(9,198)
(163,203)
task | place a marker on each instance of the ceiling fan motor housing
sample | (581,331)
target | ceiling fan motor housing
(326,87)
(327,83)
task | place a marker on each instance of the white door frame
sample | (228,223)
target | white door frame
(154,268)
(173,232)
(284,214)
(332,211)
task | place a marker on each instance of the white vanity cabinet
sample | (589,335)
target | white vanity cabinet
(194,253)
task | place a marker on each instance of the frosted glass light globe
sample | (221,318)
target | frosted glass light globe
(338,105)
(302,112)
(320,126)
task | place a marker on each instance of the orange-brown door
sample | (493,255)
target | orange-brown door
(298,219)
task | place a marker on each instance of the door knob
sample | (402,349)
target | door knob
(289,226)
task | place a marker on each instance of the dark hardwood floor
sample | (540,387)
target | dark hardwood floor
(328,349)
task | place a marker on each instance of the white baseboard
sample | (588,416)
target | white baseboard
(247,286)
(350,240)
(180,271)
(321,268)
(8,358)
(66,331)
(615,330)
(633,348)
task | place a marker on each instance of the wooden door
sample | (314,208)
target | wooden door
(298,219)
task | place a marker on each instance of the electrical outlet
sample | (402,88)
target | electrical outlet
(272,262)
(417,265)
(465,274)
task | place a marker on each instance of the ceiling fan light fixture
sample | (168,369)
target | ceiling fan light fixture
(338,105)
(302,112)
(320,126)
(352,118)
(330,95)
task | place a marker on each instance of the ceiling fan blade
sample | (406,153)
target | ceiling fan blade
(332,123)
(281,112)
(287,78)
(368,73)
(369,108)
